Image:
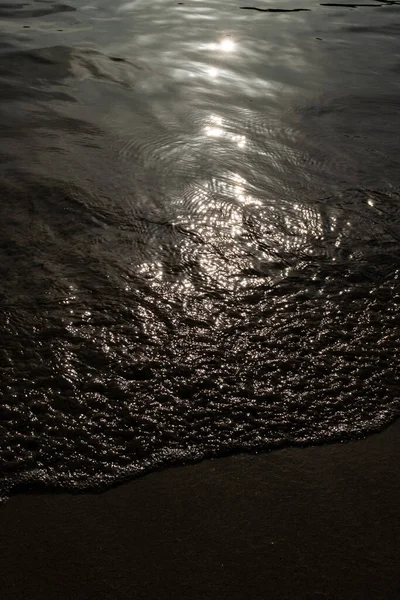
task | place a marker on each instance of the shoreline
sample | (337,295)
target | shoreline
(314,522)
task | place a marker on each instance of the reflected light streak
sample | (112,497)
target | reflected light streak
(227,45)
(213,72)
(216,130)
(213,131)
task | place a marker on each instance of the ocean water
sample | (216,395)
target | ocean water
(199,231)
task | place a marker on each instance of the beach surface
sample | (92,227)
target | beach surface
(317,522)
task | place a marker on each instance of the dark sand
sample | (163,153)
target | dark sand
(319,522)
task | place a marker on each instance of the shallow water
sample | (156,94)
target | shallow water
(199,232)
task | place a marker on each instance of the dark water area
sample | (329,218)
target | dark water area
(199,232)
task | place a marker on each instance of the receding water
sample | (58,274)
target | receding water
(199,231)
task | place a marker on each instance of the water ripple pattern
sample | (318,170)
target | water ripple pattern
(199,233)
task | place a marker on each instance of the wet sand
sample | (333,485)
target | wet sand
(318,522)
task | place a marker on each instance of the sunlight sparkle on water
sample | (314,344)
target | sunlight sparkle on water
(213,72)
(227,45)
(216,130)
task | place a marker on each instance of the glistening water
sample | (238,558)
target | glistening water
(199,231)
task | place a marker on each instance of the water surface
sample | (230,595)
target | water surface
(199,231)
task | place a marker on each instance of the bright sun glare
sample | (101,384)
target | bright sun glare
(227,45)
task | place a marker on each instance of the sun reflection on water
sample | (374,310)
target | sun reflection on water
(228,229)
(216,128)
(227,45)
(213,72)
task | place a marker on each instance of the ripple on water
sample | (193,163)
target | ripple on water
(198,281)
(27,10)
(196,345)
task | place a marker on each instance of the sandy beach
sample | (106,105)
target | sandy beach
(318,522)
